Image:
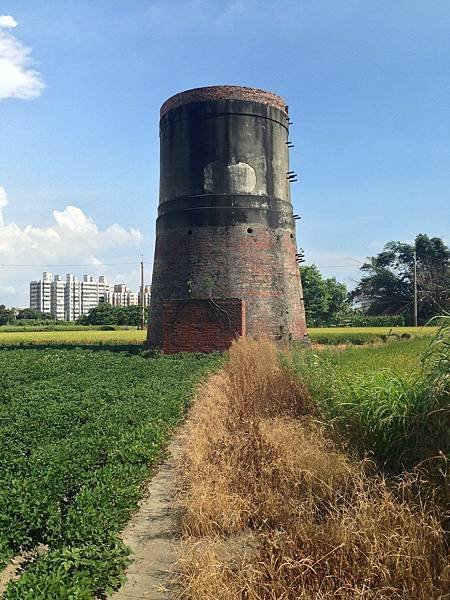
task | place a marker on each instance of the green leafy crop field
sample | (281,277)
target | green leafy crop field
(79,431)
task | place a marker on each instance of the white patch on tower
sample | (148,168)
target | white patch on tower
(237,178)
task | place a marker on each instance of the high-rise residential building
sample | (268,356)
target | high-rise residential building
(120,288)
(35,294)
(69,299)
(46,292)
(57,298)
(40,293)
(147,294)
(90,294)
(122,296)
(72,298)
(103,288)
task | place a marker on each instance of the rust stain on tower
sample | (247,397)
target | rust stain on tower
(225,233)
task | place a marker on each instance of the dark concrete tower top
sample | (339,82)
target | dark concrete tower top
(224,140)
(224,92)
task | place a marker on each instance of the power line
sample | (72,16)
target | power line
(92,266)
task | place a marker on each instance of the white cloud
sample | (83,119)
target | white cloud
(17,79)
(72,238)
(73,234)
(7,21)
(3,202)
(3,197)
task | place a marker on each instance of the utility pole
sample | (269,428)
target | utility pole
(415,288)
(142,303)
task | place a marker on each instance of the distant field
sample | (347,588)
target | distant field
(375,330)
(325,335)
(365,335)
(81,336)
(61,326)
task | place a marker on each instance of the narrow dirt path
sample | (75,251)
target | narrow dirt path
(154,535)
(13,569)
(9,573)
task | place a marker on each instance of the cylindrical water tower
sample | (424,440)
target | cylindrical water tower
(225,227)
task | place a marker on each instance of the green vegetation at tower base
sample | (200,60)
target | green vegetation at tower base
(79,430)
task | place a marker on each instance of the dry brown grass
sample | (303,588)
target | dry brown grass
(273,509)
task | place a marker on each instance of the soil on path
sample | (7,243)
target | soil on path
(153,534)
(13,569)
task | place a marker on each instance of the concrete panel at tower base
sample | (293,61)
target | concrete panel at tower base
(225,227)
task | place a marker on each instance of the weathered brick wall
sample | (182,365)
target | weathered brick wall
(258,267)
(201,325)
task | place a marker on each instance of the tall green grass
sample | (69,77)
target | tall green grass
(391,401)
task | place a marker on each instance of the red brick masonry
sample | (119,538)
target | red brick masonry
(201,325)
(224,92)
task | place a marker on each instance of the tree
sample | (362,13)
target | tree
(388,287)
(129,315)
(326,300)
(106,314)
(103,314)
(6,315)
(32,315)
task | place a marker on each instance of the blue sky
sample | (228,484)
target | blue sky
(367,83)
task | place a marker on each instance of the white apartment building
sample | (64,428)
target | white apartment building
(57,309)
(35,294)
(147,295)
(72,298)
(122,296)
(68,300)
(103,288)
(40,293)
(89,294)
(93,292)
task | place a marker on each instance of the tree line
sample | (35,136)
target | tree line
(103,314)
(385,293)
